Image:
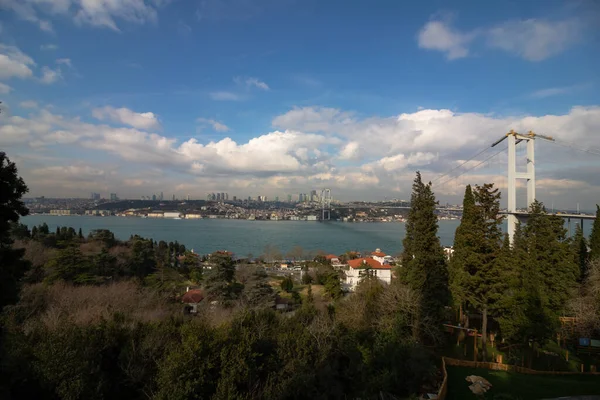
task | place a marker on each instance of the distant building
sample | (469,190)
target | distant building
(193,216)
(362,267)
(277,198)
(188,197)
(234,198)
(171,214)
(289,198)
(95,196)
(156,214)
(174,198)
(161,196)
(60,212)
(153,197)
(311,218)
(314,196)
(218,196)
(113,197)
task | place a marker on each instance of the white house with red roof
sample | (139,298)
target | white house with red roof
(361,267)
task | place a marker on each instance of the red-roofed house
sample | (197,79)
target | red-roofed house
(192,298)
(378,255)
(362,266)
(333,259)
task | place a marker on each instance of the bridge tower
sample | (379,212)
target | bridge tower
(325,204)
(515,138)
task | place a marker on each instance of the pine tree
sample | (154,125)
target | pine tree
(423,261)
(12,266)
(595,237)
(462,249)
(549,252)
(80,234)
(580,251)
(484,285)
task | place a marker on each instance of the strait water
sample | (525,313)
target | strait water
(244,237)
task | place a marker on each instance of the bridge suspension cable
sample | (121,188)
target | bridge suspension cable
(471,168)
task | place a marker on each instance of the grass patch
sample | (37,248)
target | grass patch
(520,386)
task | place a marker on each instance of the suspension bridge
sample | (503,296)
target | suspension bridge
(514,174)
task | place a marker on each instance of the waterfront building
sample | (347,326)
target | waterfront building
(362,267)
(60,212)
(171,214)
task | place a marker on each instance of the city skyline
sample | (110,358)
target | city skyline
(187,98)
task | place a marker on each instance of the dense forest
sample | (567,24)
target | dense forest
(95,317)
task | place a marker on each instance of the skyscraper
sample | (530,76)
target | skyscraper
(289,197)
(113,197)
(153,197)
(314,196)
(218,196)
(161,196)
(95,196)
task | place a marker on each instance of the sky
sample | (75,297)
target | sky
(278,97)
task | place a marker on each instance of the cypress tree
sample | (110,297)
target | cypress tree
(423,260)
(580,252)
(80,234)
(483,272)
(595,237)
(548,249)
(462,250)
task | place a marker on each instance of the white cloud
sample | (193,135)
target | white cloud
(4,88)
(64,61)
(356,157)
(313,119)
(146,120)
(50,75)
(534,39)
(99,13)
(439,35)
(531,39)
(48,47)
(217,126)
(28,104)
(257,83)
(225,96)
(14,63)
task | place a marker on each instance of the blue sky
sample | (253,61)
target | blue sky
(276,97)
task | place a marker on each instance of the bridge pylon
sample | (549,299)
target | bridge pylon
(325,204)
(515,138)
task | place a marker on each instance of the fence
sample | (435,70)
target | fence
(506,367)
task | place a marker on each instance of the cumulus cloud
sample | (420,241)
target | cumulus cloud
(28,104)
(64,61)
(356,157)
(216,125)
(439,35)
(14,63)
(254,82)
(146,120)
(4,88)
(534,39)
(50,75)
(95,13)
(531,39)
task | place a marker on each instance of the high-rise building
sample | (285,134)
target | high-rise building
(226,196)
(95,196)
(113,197)
(289,197)
(277,198)
(161,196)
(188,197)
(222,196)
(218,196)
(249,198)
(314,196)
(174,198)
(153,197)
(234,198)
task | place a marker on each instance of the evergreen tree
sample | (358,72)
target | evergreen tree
(423,261)
(12,266)
(220,281)
(80,234)
(580,251)
(549,252)
(462,249)
(483,273)
(595,237)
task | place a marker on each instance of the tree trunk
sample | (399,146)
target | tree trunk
(484,334)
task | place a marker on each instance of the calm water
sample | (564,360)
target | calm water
(243,237)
